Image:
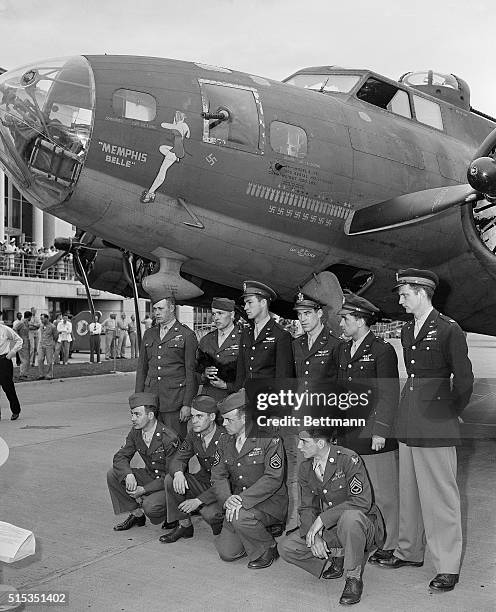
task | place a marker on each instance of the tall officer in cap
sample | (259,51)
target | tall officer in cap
(218,351)
(315,352)
(434,350)
(249,480)
(141,490)
(338,520)
(166,365)
(187,492)
(265,348)
(365,358)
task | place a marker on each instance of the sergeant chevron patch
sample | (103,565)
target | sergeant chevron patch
(356,486)
(216,458)
(275,462)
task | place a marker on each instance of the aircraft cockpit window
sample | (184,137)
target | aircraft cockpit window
(385,95)
(288,139)
(134,105)
(428,112)
(325,83)
(232,116)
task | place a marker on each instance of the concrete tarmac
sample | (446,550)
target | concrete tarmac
(54,484)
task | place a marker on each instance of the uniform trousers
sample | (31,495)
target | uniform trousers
(354,532)
(121,344)
(153,504)
(211,513)
(171,420)
(110,344)
(430,507)
(247,533)
(24,353)
(95,347)
(45,352)
(133,343)
(382,469)
(7,383)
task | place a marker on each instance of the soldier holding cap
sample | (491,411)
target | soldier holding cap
(141,490)
(218,351)
(338,519)
(166,365)
(187,492)
(367,359)
(265,347)
(438,388)
(315,352)
(249,480)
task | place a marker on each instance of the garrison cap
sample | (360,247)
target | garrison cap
(159,296)
(255,288)
(143,399)
(413,276)
(204,403)
(233,401)
(355,304)
(306,300)
(221,303)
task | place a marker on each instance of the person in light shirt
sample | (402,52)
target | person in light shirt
(10,344)
(95,329)
(64,329)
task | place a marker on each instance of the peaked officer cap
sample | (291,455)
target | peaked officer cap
(357,305)
(255,288)
(413,276)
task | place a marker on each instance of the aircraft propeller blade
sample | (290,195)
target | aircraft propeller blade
(412,207)
(407,208)
(82,273)
(51,261)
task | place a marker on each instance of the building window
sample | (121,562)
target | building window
(288,139)
(428,112)
(134,105)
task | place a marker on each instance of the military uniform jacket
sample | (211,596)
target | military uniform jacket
(318,362)
(257,473)
(223,357)
(375,362)
(270,355)
(345,486)
(192,446)
(156,456)
(167,367)
(430,400)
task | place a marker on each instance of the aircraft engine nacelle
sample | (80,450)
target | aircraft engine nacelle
(479,226)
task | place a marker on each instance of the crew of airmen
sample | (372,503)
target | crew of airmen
(381,491)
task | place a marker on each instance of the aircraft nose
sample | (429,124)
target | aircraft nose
(46,118)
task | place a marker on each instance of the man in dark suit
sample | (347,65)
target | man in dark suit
(437,390)
(265,347)
(249,480)
(218,351)
(187,492)
(338,519)
(166,365)
(368,360)
(141,490)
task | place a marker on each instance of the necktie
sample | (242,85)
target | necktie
(353,348)
(239,443)
(203,443)
(417,328)
(163,331)
(319,472)
(255,332)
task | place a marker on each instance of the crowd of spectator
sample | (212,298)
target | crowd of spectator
(26,259)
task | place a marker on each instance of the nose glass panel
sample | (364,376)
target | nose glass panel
(46,118)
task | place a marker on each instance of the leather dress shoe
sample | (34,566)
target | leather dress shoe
(171,525)
(178,533)
(335,570)
(395,562)
(379,555)
(15,416)
(131,521)
(352,592)
(443,582)
(265,560)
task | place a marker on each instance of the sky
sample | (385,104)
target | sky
(271,38)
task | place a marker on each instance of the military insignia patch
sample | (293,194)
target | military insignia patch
(275,462)
(183,446)
(356,486)
(216,458)
(355,459)
(275,440)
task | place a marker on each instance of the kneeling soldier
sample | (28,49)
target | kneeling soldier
(249,479)
(338,521)
(141,490)
(187,492)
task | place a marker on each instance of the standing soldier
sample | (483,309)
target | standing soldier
(95,330)
(367,359)
(316,350)
(249,480)
(434,350)
(122,327)
(131,330)
(187,492)
(218,351)
(46,347)
(265,347)
(110,330)
(166,365)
